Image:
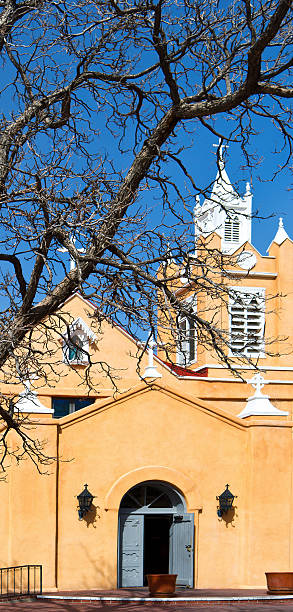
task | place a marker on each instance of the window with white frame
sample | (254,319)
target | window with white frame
(77,349)
(247,321)
(76,343)
(186,334)
(232,229)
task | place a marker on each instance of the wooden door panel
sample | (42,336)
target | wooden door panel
(131,550)
(182,549)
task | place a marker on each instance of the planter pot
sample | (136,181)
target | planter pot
(161,584)
(279,582)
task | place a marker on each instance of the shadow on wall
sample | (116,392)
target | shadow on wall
(90,518)
(228,517)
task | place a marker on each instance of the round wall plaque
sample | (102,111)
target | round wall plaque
(246,260)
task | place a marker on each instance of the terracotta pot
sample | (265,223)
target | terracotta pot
(161,584)
(279,582)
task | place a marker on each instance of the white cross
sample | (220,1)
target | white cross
(151,370)
(258,382)
(221,147)
(27,384)
(72,260)
(151,346)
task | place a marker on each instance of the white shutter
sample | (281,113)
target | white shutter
(232,230)
(247,321)
(235,230)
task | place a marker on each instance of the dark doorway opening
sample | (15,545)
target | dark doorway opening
(156,544)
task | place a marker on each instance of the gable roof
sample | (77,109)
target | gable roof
(182,397)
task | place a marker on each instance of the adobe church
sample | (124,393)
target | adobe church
(157,450)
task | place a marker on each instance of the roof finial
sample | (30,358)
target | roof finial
(151,370)
(281,234)
(248,189)
(259,404)
(28,400)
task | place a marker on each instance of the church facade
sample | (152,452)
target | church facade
(157,450)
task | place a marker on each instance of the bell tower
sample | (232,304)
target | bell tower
(225,212)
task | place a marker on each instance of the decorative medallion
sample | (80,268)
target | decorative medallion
(246,260)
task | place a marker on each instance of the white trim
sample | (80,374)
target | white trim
(79,324)
(251,290)
(249,274)
(218,366)
(169,599)
(231,380)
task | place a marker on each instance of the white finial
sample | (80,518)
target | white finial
(27,383)
(72,260)
(169,259)
(151,370)
(248,189)
(281,234)
(259,404)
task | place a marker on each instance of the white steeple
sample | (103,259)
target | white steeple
(225,212)
(281,234)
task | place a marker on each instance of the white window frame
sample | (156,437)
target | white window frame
(82,347)
(183,346)
(80,331)
(246,294)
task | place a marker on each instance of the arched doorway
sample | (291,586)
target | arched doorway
(156,535)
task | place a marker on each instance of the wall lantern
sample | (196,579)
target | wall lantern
(84,501)
(225,501)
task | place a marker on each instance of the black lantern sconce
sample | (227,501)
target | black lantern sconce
(85,500)
(225,501)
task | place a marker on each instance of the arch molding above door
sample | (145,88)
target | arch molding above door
(178,479)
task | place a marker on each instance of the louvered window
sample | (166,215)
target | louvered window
(247,323)
(232,230)
(186,336)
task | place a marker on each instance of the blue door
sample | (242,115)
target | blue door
(155,535)
(182,549)
(131,550)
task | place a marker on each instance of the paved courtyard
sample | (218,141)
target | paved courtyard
(104,606)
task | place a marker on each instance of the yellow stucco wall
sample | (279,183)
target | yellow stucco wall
(154,434)
(184,432)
